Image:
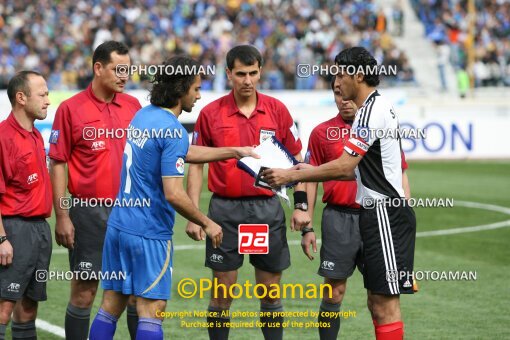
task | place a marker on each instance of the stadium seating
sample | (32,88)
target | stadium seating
(446,24)
(56,38)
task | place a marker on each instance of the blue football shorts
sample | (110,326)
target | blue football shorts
(143,266)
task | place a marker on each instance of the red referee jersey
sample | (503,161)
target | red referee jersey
(326,143)
(222,124)
(94,162)
(25,188)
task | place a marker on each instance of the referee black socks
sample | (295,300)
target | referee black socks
(24,330)
(219,325)
(272,329)
(331,325)
(77,322)
(132,320)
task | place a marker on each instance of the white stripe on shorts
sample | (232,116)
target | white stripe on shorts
(392,250)
(387,247)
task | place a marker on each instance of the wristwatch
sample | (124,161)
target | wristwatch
(306,230)
(3,239)
(301,206)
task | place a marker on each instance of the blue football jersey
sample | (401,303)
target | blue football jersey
(156,146)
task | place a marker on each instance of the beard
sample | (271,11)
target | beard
(187,108)
(37,113)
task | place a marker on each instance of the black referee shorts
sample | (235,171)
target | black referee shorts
(389,235)
(341,248)
(89,233)
(30,239)
(229,213)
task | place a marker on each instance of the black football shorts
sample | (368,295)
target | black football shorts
(30,239)
(229,213)
(389,235)
(89,233)
(341,249)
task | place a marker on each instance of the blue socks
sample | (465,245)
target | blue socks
(149,328)
(103,326)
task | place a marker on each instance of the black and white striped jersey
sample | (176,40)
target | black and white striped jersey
(379,174)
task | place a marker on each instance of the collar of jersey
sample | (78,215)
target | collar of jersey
(98,102)
(233,109)
(16,125)
(167,109)
(372,94)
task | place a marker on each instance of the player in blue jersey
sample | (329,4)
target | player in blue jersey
(138,241)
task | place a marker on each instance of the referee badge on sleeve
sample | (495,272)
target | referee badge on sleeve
(307,156)
(54,136)
(194,138)
(294,131)
(265,134)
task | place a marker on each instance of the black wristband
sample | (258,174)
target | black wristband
(306,230)
(300,197)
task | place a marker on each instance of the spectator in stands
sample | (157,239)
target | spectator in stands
(398,20)
(443,59)
(462,82)
(57,37)
(448,21)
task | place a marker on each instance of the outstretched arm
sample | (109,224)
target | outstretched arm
(341,168)
(203,154)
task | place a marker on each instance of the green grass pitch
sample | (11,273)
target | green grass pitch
(441,310)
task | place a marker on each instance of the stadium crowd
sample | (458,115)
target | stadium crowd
(447,23)
(57,38)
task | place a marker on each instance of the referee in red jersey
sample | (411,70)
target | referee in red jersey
(25,203)
(244,117)
(94,162)
(341,247)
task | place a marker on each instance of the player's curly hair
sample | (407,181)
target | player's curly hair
(359,56)
(169,87)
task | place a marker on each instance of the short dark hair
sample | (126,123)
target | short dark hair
(359,56)
(246,54)
(20,83)
(169,87)
(103,53)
